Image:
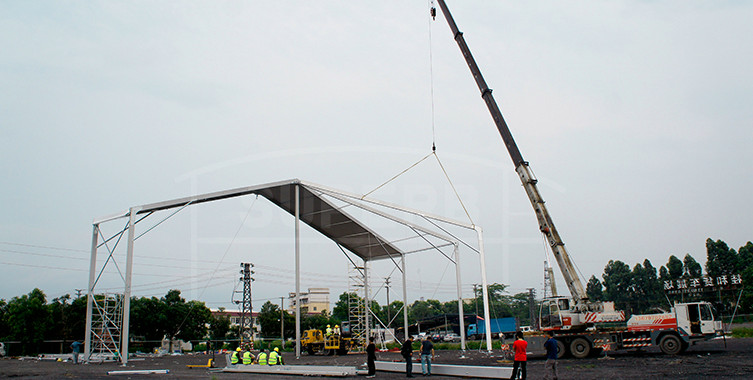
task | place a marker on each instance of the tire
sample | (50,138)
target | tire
(671,344)
(580,348)
(561,349)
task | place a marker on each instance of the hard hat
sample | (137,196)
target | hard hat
(277,349)
(327,325)
(337,326)
(238,349)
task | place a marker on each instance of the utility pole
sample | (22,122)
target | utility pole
(387,285)
(282,323)
(475,298)
(78,292)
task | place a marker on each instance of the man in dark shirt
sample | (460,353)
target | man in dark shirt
(427,354)
(407,352)
(550,368)
(371,357)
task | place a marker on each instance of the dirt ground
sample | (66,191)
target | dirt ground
(705,360)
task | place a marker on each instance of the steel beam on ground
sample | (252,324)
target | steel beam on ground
(471,371)
(300,370)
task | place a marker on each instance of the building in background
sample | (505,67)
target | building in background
(315,301)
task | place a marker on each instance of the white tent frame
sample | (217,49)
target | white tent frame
(358,201)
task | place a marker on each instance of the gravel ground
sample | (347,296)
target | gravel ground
(705,360)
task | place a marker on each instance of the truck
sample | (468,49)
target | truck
(499,328)
(580,324)
(673,332)
(315,341)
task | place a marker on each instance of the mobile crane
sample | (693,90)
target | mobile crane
(579,323)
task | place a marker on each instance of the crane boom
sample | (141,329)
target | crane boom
(546,225)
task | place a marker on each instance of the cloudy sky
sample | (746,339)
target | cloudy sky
(635,117)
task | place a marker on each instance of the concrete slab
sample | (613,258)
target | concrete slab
(482,372)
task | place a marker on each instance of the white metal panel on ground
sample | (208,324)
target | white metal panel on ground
(483,372)
(310,370)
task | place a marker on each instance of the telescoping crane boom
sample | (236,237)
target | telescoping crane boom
(546,225)
(584,325)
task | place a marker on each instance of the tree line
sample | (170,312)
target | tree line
(642,289)
(30,320)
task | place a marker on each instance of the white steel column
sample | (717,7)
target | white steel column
(367,300)
(297,272)
(484,289)
(90,294)
(127,292)
(405,299)
(461,317)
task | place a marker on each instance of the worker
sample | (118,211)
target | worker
(328,332)
(263,358)
(234,357)
(274,357)
(337,329)
(248,358)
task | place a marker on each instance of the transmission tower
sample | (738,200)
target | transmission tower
(245,318)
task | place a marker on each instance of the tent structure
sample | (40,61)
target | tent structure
(321,208)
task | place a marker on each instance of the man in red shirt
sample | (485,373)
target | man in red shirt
(520,347)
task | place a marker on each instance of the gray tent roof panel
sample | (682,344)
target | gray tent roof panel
(315,211)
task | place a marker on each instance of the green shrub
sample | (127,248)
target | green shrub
(742,332)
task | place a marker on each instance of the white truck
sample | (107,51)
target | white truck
(673,332)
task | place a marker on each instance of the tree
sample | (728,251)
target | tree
(148,318)
(691,268)
(219,327)
(617,283)
(594,289)
(720,259)
(28,320)
(4,324)
(424,309)
(745,268)
(674,267)
(269,320)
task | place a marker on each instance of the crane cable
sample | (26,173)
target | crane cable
(433,13)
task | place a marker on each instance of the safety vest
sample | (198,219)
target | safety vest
(329,331)
(234,358)
(273,358)
(247,357)
(263,358)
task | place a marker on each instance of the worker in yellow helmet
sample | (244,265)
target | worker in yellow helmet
(234,357)
(328,332)
(263,358)
(337,329)
(274,357)
(248,357)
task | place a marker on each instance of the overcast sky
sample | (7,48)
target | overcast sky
(635,117)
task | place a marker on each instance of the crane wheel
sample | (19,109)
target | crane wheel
(580,348)
(670,345)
